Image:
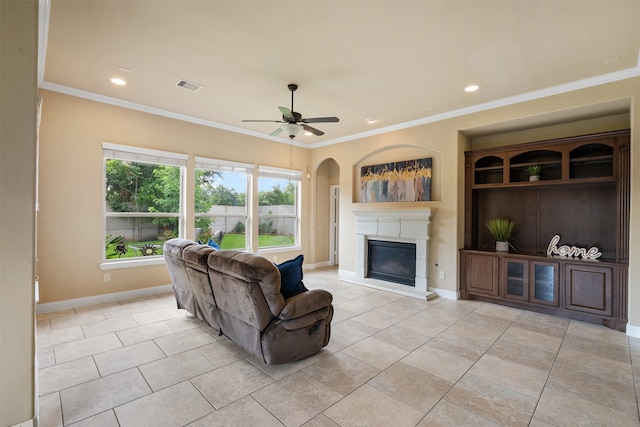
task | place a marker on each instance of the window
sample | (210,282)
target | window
(279,213)
(143,200)
(221,190)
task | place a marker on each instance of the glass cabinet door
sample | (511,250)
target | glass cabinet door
(544,283)
(515,278)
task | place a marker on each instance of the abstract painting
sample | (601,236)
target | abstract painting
(405,181)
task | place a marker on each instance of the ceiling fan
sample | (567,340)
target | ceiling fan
(293,121)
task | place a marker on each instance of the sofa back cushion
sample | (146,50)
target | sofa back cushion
(173,254)
(246,286)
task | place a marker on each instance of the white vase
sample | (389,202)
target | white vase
(534,178)
(502,246)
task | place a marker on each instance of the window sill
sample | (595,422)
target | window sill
(128,263)
(278,249)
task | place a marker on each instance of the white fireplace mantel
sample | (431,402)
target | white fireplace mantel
(402,225)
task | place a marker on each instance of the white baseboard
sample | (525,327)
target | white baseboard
(633,331)
(101,299)
(316,265)
(445,293)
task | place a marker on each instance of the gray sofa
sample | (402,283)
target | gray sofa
(238,294)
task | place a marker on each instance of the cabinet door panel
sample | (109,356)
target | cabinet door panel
(544,283)
(515,279)
(482,274)
(588,288)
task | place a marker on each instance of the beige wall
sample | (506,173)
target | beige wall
(70,222)
(18,38)
(71,180)
(448,138)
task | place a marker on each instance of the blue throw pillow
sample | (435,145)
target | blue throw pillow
(291,277)
(213,244)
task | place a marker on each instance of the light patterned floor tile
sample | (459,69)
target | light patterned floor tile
(245,412)
(231,382)
(446,414)
(93,397)
(144,333)
(177,405)
(296,399)
(376,352)
(175,369)
(563,409)
(124,358)
(50,411)
(342,372)
(183,341)
(110,325)
(103,419)
(66,375)
(521,378)
(492,401)
(86,347)
(370,407)
(445,365)
(412,386)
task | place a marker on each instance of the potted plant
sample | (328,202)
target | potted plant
(502,229)
(534,172)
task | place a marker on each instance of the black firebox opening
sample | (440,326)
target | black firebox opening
(392,261)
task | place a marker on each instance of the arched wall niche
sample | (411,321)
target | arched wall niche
(399,153)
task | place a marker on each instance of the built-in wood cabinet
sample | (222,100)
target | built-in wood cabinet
(583,196)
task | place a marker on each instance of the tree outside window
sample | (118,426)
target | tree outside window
(278,193)
(143,200)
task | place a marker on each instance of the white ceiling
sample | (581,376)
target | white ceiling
(401,62)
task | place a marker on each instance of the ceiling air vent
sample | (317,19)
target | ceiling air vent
(193,87)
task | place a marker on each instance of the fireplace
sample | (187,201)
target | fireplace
(410,226)
(392,261)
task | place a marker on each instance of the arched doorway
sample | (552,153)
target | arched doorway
(327,191)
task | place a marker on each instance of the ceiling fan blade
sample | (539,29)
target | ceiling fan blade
(264,121)
(313,130)
(321,120)
(276,132)
(287,113)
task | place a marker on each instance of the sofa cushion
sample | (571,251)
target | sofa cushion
(291,277)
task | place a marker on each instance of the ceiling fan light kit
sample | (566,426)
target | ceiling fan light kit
(294,122)
(292,129)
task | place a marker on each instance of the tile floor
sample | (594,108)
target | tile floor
(392,361)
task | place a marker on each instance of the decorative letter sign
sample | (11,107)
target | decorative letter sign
(571,251)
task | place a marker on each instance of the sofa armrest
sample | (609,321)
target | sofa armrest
(305,303)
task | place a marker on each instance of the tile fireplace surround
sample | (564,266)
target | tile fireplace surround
(405,225)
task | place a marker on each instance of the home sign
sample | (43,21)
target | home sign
(571,251)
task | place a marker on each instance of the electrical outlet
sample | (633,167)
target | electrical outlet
(107,277)
(350,260)
(442,275)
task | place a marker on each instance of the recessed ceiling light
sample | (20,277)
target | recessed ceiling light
(471,88)
(118,81)
(307,133)
(371,120)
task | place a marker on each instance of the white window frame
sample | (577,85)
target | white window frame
(218,165)
(288,174)
(141,155)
